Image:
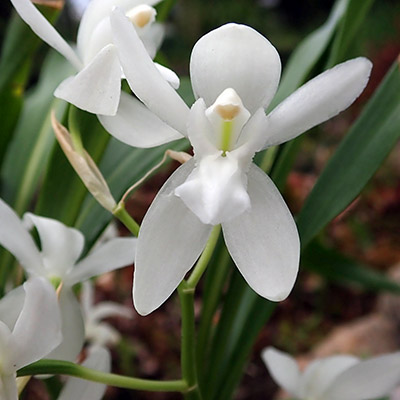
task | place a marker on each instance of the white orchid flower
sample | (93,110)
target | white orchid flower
(57,261)
(98,358)
(32,336)
(235,73)
(97,85)
(341,377)
(98,332)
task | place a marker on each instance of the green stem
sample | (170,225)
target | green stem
(71,369)
(121,213)
(188,353)
(204,258)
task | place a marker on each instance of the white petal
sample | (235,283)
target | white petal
(99,359)
(171,239)
(152,40)
(107,309)
(17,240)
(136,125)
(170,76)
(318,100)
(11,305)
(87,298)
(97,87)
(73,329)
(7,346)
(263,241)
(61,245)
(38,328)
(321,373)
(8,387)
(370,379)
(143,76)
(216,189)
(115,253)
(238,57)
(283,368)
(96,11)
(39,24)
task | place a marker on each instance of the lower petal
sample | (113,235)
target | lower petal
(263,241)
(136,125)
(171,239)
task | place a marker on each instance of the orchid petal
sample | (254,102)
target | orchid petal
(238,57)
(370,379)
(283,368)
(97,87)
(263,241)
(7,346)
(38,327)
(170,76)
(61,245)
(152,40)
(115,253)
(107,309)
(73,329)
(17,240)
(216,189)
(321,373)
(96,11)
(135,125)
(143,76)
(166,250)
(8,387)
(11,305)
(42,28)
(317,101)
(99,358)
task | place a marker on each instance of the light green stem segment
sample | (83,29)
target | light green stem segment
(186,295)
(204,258)
(71,369)
(121,213)
(227,128)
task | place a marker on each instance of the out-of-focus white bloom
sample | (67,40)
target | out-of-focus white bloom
(98,358)
(98,332)
(341,377)
(32,336)
(57,261)
(97,85)
(235,73)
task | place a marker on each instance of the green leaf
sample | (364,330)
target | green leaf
(28,154)
(360,154)
(121,166)
(335,267)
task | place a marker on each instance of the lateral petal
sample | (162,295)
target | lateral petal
(317,101)
(320,374)
(370,379)
(116,253)
(99,358)
(283,368)
(8,387)
(38,328)
(42,28)
(143,76)
(135,125)
(72,326)
(171,239)
(97,87)
(61,245)
(263,241)
(17,240)
(238,57)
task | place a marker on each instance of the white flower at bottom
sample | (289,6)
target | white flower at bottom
(32,336)
(235,73)
(341,377)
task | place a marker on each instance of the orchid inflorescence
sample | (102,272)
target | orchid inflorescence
(235,73)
